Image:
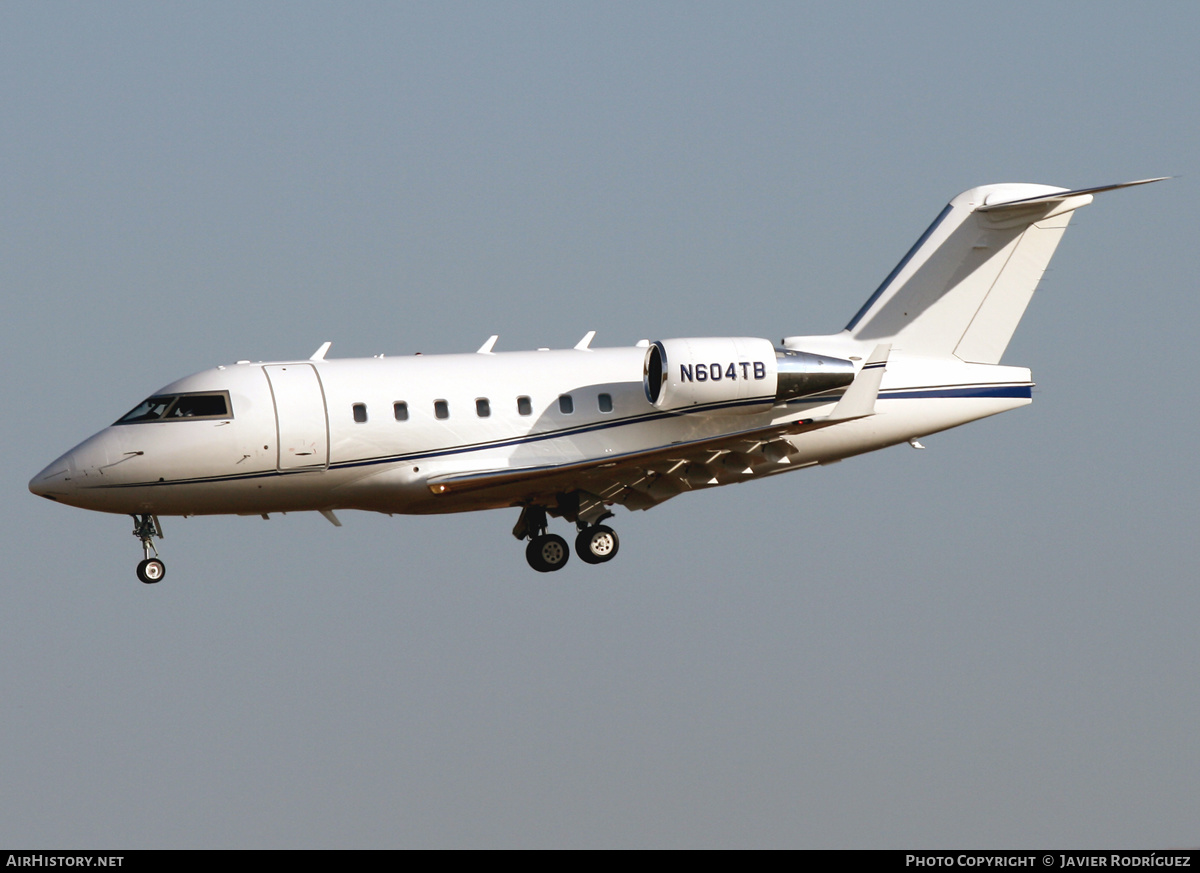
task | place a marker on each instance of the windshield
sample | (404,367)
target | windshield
(175,407)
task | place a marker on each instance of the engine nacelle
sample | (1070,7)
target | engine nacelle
(735,374)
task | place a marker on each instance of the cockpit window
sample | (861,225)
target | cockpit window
(148,410)
(174,407)
(200,406)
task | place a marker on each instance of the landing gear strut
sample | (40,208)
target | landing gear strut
(547,552)
(146,528)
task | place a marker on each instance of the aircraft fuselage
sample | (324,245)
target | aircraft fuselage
(372,433)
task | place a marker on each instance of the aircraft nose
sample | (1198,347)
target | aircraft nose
(54,481)
(64,477)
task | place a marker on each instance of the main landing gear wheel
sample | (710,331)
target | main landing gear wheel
(151,570)
(547,553)
(597,544)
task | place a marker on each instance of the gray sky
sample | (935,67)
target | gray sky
(987,644)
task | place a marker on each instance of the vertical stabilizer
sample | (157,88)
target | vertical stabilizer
(962,289)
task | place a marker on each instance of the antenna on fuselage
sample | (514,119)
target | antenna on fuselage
(319,354)
(486,348)
(583,344)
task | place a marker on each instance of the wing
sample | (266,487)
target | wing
(646,477)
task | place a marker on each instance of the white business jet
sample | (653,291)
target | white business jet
(572,433)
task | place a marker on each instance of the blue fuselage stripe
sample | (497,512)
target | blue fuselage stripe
(1024,391)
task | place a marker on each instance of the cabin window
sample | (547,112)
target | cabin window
(604,401)
(400,409)
(565,404)
(176,407)
(441,409)
(524,406)
(482,408)
(360,412)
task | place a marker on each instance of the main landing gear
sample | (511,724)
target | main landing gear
(595,544)
(146,528)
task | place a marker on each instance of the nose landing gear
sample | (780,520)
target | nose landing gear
(146,528)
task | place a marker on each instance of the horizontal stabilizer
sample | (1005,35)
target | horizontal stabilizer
(1062,195)
(859,399)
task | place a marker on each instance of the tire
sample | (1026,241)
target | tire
(547,553)
(597,544)
(151,570)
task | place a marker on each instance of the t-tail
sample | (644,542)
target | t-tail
(962,289)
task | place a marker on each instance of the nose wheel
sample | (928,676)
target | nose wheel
(146,528)
(151,570)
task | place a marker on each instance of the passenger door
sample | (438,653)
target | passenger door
(300,416)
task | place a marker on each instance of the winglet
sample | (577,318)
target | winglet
(859,399)
(486,348)
(319,354)
(583,344)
